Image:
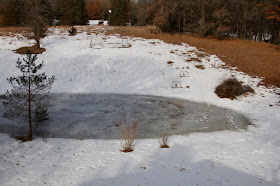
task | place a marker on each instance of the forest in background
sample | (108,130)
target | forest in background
(246,19)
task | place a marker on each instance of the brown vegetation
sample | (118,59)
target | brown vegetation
(129,135)
(23,138)
(201,67)
(170,62)
(163,141)
(32,49)
(253,58)
(232,88)
(11,31)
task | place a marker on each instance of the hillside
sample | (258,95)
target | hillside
(254,58)
(94,63)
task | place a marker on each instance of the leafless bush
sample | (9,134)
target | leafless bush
(163,141)
(129,135)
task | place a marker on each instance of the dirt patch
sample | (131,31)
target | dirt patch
(32,49)
(253,58)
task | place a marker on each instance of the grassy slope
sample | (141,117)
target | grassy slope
(254,58)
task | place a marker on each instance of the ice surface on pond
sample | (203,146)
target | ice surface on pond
(102,116)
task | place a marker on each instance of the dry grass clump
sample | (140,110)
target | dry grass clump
(254,58)
(32,49)
(170,62)
(232,88)
(129,135)
(201,67)
(195,59)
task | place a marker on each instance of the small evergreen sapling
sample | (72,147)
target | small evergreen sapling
(28,98)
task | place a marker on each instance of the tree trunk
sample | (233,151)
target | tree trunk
(202,21)
(245,13)
(30,135)
(38,43)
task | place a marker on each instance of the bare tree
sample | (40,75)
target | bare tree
(38,17)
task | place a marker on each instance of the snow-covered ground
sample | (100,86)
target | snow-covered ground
(248,157)
(96,22)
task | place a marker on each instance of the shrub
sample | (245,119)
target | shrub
(41,113)
(163,141)
(129,135)
(72,31)
(232,88)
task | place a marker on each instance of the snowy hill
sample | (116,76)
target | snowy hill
(244,157)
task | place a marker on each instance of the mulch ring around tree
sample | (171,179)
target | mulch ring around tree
(32,49)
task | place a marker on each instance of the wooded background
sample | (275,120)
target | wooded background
(246,19)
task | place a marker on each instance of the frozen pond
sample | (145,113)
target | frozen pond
(102,116)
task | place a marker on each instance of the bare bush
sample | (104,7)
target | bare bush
(163,141)
(129,135)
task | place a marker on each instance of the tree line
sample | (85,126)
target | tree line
(247,19)
(18,12)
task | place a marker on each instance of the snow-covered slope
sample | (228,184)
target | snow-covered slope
(218,158)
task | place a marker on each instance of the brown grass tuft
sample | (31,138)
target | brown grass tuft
(201,67)
(195,59)
(170,62)
(232,88)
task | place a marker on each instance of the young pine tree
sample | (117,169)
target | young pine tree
(28,97)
